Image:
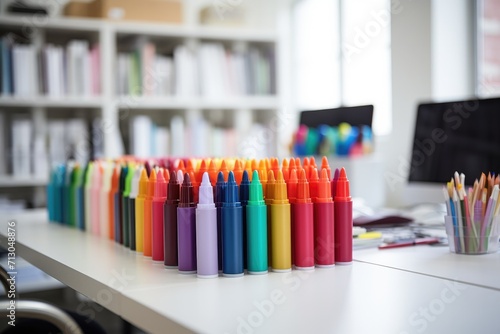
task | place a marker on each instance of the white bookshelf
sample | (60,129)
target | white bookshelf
(108,105)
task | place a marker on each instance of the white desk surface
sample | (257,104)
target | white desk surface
(438,261)
(362,298)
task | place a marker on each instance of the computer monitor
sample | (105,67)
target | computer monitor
(461,136)
(356,116)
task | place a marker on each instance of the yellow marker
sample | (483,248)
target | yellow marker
(268,189)
(139,211)
(281,231)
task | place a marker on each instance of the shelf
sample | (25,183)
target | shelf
(43,101)
(42,22)
(12,181)
(153,102)
(165,30)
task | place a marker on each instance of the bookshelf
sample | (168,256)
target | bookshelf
(239,110)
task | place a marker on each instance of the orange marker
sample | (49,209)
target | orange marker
(262,166)
(263,181)
(224,170)
(238,171)
(313,183)
(292,165)
(189,166)
(285,169)
(275,165)
(312,162)
(325,165)
(297,163)
(148,209)
(248,168)
(181,166)
(307,167)
(196,187)
(139,211)
(203,169)
(291,185)
(212,172)
(255,166)
(268,163)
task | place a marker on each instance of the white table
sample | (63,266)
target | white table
(438,261)
(362,298)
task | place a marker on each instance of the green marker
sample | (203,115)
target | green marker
(88,196)
(80,197)
(72,195)
(256,214)
(125,206)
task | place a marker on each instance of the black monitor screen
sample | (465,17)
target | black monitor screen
(359,115)
(461,136)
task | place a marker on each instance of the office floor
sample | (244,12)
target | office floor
(68,299)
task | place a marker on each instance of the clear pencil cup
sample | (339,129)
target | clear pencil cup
(467,237)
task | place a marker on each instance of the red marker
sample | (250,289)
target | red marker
(334,182)
(307,167)
(302,225)
(312,162)
(343,220)
(324,229)
(291,165)
(212,172)
(196,187)
(286,170)
(160,195)
(297,163)
(181,166)
(291,189)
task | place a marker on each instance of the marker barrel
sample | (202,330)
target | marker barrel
(303,232)
(324,234)
(125,222)
(232,240)
(206,242)
(186,239)
(256,227)
(80,208)
(170,235)
(343,232)
(131,231)
(96,211)
(148,227)
(281,234)
(157,219)
(118,216)
(139,224)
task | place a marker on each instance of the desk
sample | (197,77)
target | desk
(438,261)
(362,298)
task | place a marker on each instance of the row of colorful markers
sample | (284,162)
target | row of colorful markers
(207,216)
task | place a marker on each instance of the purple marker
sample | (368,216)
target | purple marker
(186,229)
(206,231)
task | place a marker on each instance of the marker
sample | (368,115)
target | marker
(212,172)
(181,167)
(170,223)
(190,168)
(73,188)
(312,163)
(158,215)
(220,195)
(248,167)
(313,182)
(134,192)
(244,196)
(206,231)
(285,169)
(105,189)
(186,228)
(303,225)
(232,231)
(269,196)
(80,198)
(291,189)
(275,165)
(297,163)
(334,182)
(59,192)
(51,195)
(202,170)
(325,165)
(224,169)
(196,186)
(263,180)
(324,230)
(148,214)
(254,165)
(307,168)
(281,255)
(121,217)
(139,211)
(238,172)
(343,220)
(96,198)
(291,165)
(125,206)
(112,207)
(66,191)
(256,228)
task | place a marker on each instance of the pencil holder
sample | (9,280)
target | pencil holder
(467,237)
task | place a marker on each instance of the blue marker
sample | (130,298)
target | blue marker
(244,197)
(219,196)
(232,231)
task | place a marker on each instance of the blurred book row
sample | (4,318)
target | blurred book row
(210,71)
(52,70)
(27,150)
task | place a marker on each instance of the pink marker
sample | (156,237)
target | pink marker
(96,199)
